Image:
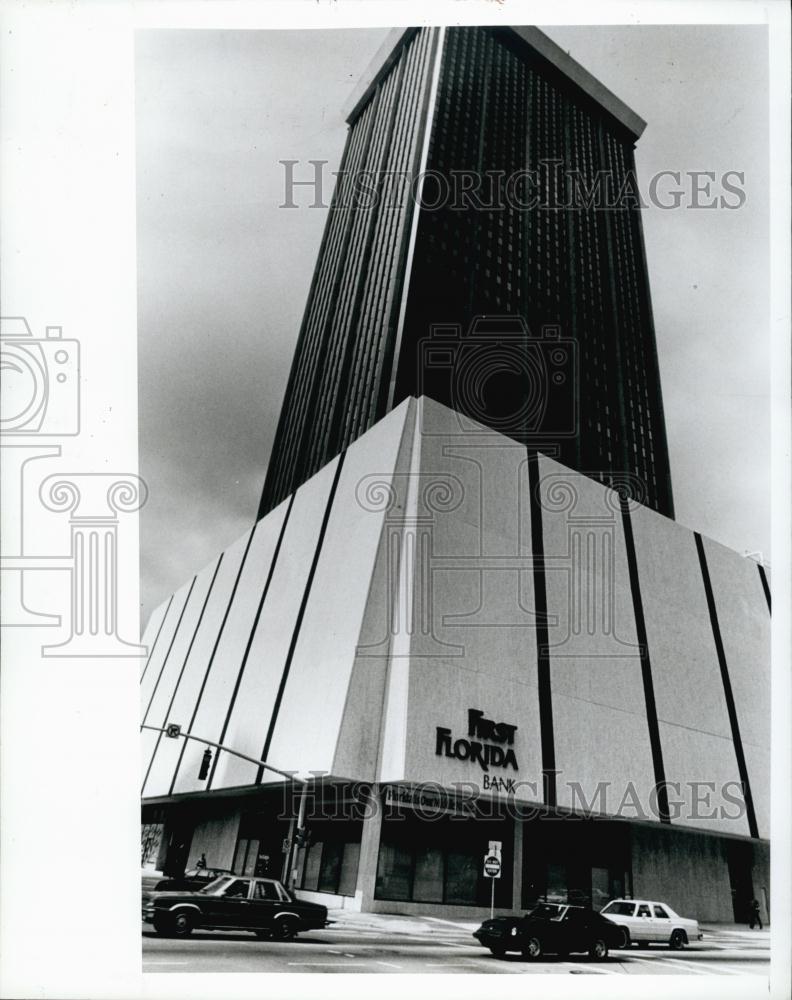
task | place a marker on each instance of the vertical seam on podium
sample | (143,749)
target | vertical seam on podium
(156,638)
(212,657)
(542,643)
(300,616)
(652,721)
(253,630)
(765,586)
(181,672)
(731,707)
(167,655)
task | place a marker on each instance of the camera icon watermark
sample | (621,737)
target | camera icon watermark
(41,381)
(497,374)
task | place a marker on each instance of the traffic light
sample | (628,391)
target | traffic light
(206,760)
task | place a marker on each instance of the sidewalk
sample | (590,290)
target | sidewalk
(388,923)
(737,931)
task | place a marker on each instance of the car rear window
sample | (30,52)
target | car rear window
(265,890)
(620,909)
(216,887)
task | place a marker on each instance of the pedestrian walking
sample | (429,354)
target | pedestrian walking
(756,916)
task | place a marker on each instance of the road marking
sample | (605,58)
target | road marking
(390,965)
(707,970)
(446,965)
(460,926)
(693,970)
(580,967)
(745,971)
(334,965)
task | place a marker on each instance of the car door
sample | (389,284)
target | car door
(642,924)
(661,923)
(231,907)
(573,931)
(265,903)
(555,932)
(622,912)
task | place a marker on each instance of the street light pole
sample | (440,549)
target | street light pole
(173,731)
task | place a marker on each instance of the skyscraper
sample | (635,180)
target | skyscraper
(484,247)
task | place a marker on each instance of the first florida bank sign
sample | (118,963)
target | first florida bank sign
(488,743)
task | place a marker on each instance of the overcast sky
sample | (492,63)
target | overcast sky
(223,272)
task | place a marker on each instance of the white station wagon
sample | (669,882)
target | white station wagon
(644,920)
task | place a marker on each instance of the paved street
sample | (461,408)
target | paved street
(367,943)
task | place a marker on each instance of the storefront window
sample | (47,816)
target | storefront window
(429,875)
(347,880)
(150,842)
(462,875)
(600,887)
(313,865)
(249,860)
(583,863)
(441,860)
(394,872)
(331,867)
(556,891)
(331,861)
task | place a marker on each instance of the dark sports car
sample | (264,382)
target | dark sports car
(551,928)
(260,905)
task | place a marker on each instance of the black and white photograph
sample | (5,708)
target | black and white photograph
(395,426)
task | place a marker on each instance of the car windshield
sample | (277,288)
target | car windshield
(620,909)
(546,912)
(216,886)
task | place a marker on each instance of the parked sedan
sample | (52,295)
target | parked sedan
(193,878)
(644,920)
(551,928)
(260,905)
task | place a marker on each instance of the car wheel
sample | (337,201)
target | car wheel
(532,948)
(181,924)
(678,940)
(286,928)
(626,942)
(497,951)
(599,949)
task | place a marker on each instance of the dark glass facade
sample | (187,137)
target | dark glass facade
(516,293)
(441,861)
(340,374)
(585,862)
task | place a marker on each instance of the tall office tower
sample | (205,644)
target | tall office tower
(470,255)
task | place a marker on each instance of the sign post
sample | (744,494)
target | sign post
(492,869)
